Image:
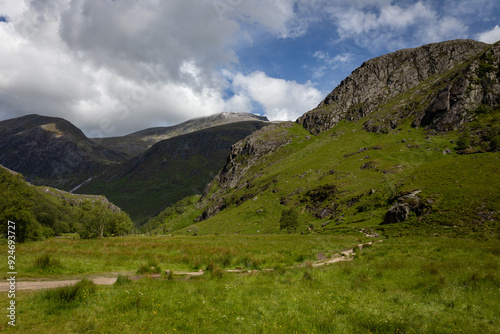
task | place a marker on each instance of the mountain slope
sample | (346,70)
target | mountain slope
(41,212)
(138,142)
(51,151)
(396,151)
(170,170)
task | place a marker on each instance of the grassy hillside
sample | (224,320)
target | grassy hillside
(347,178)
(397,153)
(43,212)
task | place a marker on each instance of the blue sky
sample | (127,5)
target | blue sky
(114,67)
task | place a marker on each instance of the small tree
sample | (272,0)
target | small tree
(93,218)
(97,220)
(289,220)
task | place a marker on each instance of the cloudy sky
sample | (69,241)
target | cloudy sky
(112,67)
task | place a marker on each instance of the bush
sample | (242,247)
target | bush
(68,294)
(289,220)
(495,143)
(464,141)
(45,262)
(122,280)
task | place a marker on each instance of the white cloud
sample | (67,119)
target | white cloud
(325,57)
(388,26)
(490,36)
(280,99)
(127,63)
(150,62)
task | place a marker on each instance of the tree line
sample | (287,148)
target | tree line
(40,215)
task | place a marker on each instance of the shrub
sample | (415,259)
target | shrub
(122,280)
(495,143)
(45,262)
(68,294)
(464,141)
(289,220)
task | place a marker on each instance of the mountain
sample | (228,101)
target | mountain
(171,169)
(41,212)
(408,143)
(52,151)
(143,171)
(138,142)
(423,77)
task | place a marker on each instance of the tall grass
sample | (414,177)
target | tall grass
(402,285)
(182,253)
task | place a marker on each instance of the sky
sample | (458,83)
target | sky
(112,67)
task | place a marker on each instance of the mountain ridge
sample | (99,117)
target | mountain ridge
(170,170)
(51,151)
(138,142)
(380,79)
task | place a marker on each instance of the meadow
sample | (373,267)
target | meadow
(401,285)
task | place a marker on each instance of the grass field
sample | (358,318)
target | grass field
(402,285)
(89,257)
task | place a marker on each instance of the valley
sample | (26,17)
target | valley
(232,223)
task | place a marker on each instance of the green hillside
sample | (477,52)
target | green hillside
(422,159)
(351,177)
(43,212)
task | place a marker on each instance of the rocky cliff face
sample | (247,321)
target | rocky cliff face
(251,149)
(382,79)
(244,154)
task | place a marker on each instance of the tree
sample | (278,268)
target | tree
(120,223)
(27,228)
(93,219)
(289,220)
(98,221)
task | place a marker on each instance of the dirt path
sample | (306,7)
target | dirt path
(346,255)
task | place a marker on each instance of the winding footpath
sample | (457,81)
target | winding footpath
(346,255)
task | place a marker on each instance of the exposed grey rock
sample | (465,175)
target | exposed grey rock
(244,154)
(397,213)
(404,205)
(381,79)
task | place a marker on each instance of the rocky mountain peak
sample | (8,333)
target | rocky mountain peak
(380,79)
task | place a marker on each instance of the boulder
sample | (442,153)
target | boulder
(397,213)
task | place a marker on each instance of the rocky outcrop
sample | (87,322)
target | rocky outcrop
(404,205)
(249,150)
(381,79)
(244,154)
(476,86)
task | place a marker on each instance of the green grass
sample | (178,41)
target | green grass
(81,258)
(403,285)
(366,172)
